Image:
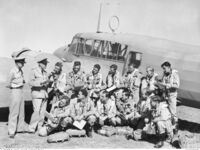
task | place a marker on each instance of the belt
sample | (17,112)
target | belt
(16,87)
(172,90)
(35,88)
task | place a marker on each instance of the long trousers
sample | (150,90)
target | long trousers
(16,112)
(172,104)
(37,118)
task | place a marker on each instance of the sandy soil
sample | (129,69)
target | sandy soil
(189,121)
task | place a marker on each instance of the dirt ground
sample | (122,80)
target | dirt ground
(189,121)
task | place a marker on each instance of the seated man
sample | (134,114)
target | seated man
(76,78)
(59,117)
(162,119)
(94,79)
(132,81)
(117,94)
(112,79)
(83,111)
(105,110)
(126,114)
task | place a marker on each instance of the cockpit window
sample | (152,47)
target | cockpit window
(80,46)
(96,49)
(73,45)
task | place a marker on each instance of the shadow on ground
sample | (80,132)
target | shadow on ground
(189,126)
(4,111)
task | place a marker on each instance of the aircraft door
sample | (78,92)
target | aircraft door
(133,57)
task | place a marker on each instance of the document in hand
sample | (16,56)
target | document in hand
(79,124)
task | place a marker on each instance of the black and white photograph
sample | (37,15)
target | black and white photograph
(100,74)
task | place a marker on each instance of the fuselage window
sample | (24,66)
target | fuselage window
(135,58)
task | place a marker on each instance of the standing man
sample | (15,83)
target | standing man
(39,83)
(112,79)
(171,81)
(16,82)
(148,84)
(131,80)
(76,78)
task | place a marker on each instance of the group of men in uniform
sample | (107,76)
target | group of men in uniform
(131,100)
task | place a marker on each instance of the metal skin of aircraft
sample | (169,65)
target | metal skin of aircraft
(154,51)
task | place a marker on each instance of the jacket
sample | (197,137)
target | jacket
(36,79)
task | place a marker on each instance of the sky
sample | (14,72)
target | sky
(48,24)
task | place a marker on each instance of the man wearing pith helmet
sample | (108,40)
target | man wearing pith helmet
(16,109)
(39,83)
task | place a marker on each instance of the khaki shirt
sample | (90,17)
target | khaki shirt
(144,107)
(108,109)
(59,82)
(162,112)
(16,78)
(172,81)
(61,112)
(113,81)
(125,108)
(76,80)
(37,77)
(82,109)
(94,81)
(132,80)
(148,84)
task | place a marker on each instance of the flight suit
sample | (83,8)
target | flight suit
(125,113)
(94,81)
(132,82)
(106,112)
(147,85)
(76,81)
(94,84)
(16,108)
(39,97)
(84,110)
(151,82)
(58,81)
(62,117)
(57,87)
(172,82)
(162,118)
(112,81)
